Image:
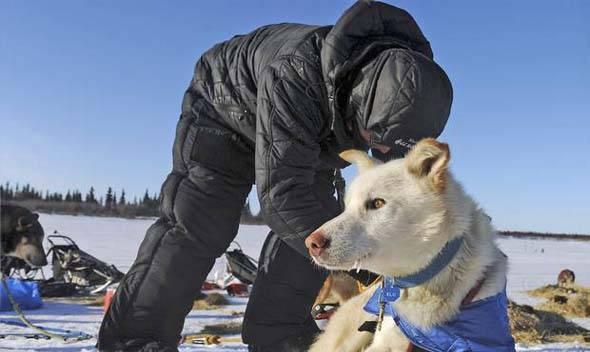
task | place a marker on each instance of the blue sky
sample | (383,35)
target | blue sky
(90,93)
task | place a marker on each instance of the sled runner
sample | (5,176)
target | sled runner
(72,265)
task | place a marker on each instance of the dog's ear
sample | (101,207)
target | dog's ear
(359,158)
(24,223)
(430,159)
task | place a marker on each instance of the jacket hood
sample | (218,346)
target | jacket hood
(380,75)
(400,97)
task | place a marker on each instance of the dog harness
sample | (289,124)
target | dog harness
(480,326)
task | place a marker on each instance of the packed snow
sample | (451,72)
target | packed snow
(532,263)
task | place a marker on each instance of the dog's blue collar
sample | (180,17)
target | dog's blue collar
(391,286)
(442,259)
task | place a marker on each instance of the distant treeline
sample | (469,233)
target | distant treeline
(111,204)
(541,235)
(73,202)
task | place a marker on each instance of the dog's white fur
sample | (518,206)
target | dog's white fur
(424,209)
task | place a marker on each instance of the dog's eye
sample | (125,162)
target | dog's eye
(375,203)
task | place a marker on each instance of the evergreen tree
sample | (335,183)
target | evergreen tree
(6,192)
(122,200)
(90,197)
(77,197)
(108,202)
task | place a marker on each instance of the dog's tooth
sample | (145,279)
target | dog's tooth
(357,265)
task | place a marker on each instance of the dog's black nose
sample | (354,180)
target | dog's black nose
(317,243)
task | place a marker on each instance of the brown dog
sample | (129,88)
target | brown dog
(339,287)
(21,235)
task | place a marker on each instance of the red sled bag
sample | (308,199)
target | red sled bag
(208,286)
(238,289)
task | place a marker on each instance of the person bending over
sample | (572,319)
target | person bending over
(274,108)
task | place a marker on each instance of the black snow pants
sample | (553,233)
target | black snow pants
(201,204)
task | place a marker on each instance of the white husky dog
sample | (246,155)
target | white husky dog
(399,217)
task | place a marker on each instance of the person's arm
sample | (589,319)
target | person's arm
(294,199)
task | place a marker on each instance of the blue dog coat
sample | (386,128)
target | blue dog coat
(480,326)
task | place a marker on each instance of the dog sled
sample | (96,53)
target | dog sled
(72,265)
(240,265)
(73,269)
(240,273)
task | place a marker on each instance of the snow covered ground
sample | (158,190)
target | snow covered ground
(532,263)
